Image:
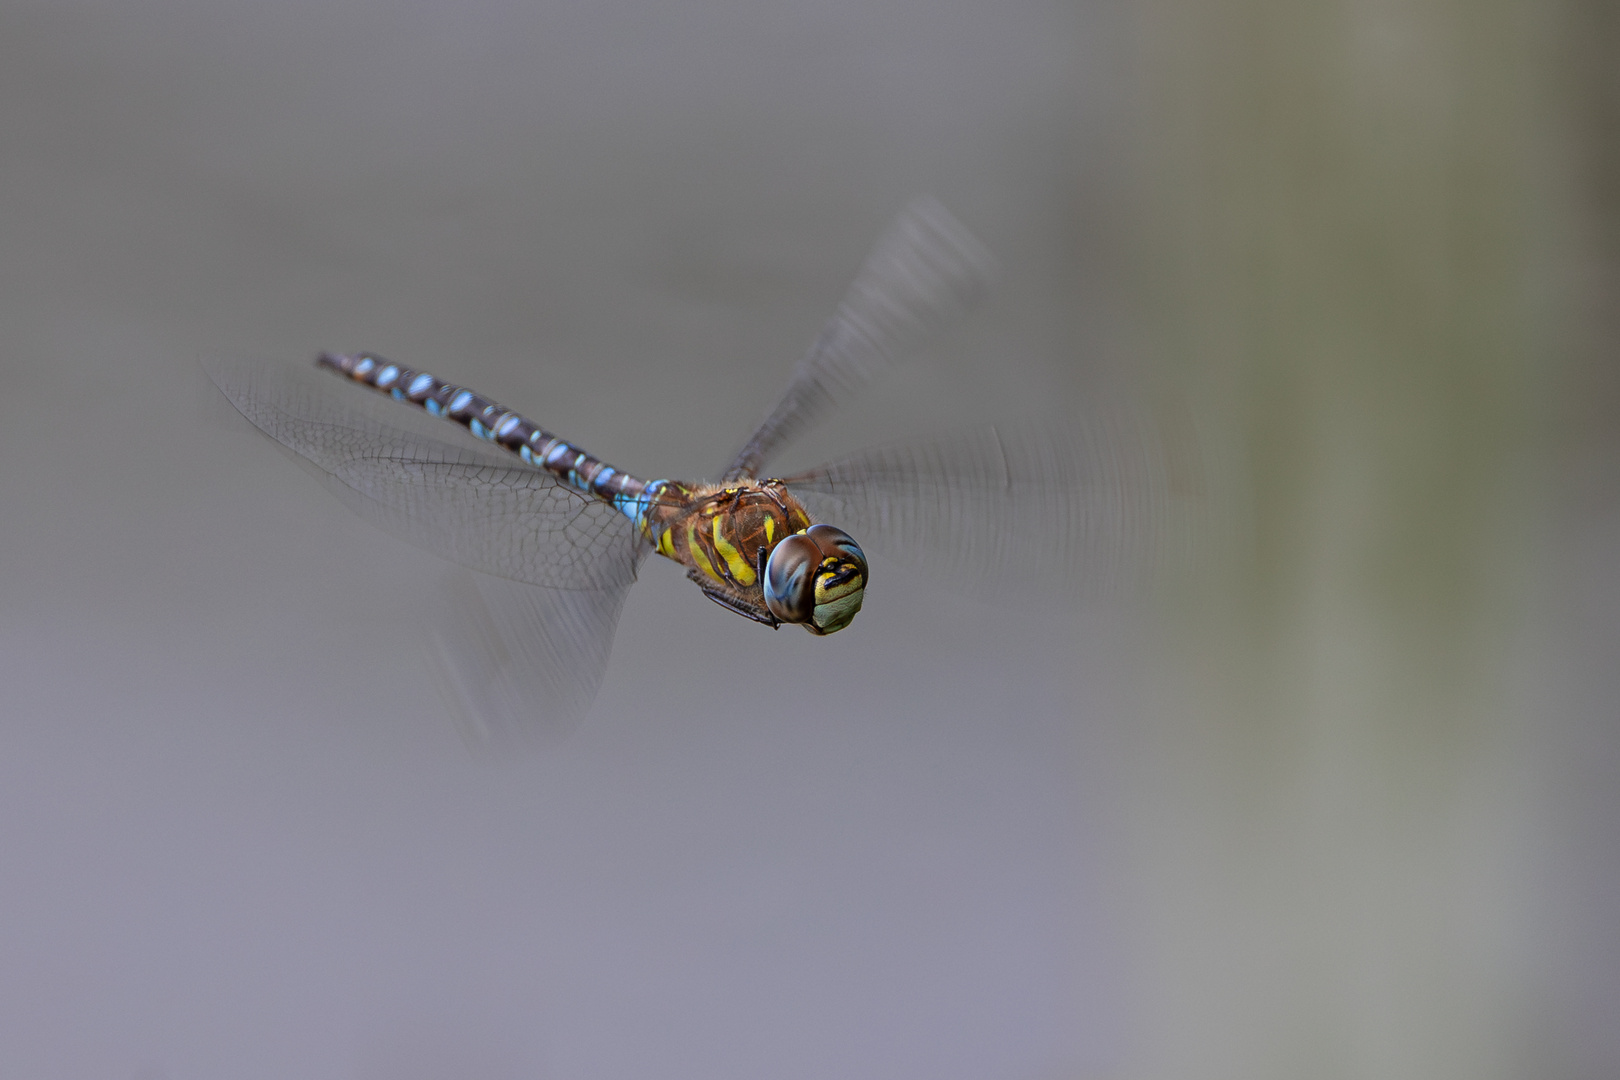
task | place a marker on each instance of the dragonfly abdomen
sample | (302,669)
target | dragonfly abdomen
(495,423)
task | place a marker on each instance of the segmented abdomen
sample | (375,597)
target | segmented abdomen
(501,426)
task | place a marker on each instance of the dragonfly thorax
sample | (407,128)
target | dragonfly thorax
(752,547)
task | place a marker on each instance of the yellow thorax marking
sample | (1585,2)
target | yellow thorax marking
(666,543)
(770,529)
(741,572)
(698,557)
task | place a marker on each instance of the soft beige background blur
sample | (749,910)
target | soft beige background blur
(1376,820)
(1346,805)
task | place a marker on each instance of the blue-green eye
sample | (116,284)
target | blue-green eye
(816,578)
(835,541)
(789,583)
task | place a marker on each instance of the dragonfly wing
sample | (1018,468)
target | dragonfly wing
(464,503)
(1074,507)
(926,267)
(520,662)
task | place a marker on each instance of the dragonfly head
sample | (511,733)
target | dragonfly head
(816,578)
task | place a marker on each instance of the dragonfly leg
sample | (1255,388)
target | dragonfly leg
(732,602)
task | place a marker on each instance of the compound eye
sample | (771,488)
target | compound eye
(790,578)
(835,541)
(840,579)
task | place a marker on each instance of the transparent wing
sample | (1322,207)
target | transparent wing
(520,663)
(463,503)
(923,269)
(1087,507)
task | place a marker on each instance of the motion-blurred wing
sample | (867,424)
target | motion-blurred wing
(1078,508)
(520,663)
(462,503)
(924,268)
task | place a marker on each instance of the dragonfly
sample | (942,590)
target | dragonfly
(558,535)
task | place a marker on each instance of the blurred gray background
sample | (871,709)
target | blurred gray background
(1345,806)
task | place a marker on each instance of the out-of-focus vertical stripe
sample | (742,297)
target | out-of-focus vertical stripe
(1344,235)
